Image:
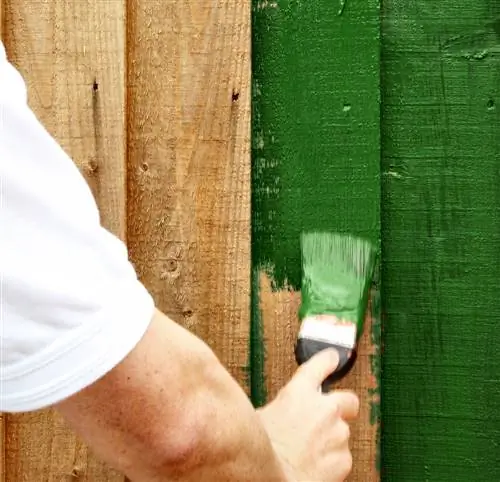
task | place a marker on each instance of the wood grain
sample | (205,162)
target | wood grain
(280,329)
(189,166)
(71,55)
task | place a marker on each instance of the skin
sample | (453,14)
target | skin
(171,412)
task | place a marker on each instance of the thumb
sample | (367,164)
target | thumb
(314,371)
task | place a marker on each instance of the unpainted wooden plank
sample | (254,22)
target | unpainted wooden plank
(315,166)
(189,166)
(71,55)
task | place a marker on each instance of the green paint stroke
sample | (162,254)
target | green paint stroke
(441,241)
(258,393)
(375,358)
(315,134)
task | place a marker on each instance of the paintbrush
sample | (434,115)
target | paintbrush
(337,272)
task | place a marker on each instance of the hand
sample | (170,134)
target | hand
(308,429)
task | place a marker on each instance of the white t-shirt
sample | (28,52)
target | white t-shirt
(71,307)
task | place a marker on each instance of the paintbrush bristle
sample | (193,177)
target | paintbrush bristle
(339,251)
(337,270)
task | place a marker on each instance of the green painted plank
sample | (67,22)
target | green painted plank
(315,142)
(315,136)
(441,240)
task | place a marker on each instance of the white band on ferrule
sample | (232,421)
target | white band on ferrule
(329,329)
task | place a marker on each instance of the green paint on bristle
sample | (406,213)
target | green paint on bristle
(337,272)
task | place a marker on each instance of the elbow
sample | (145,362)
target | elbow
(190,442)
(182,452)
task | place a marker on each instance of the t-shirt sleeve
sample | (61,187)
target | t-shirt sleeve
(71,306)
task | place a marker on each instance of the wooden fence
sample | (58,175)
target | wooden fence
(152,101)
(377,118)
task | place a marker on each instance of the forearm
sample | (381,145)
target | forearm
(230,441)
(170,411)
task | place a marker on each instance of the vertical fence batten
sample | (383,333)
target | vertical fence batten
(441,225)
(189,166)
(71,55)
(315,165)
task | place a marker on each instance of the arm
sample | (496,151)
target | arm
(170,411)
(80,332)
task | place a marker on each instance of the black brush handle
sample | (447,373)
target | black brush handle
(305,348)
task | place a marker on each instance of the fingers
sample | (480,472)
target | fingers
(315,370)
(347,403)
(344,465)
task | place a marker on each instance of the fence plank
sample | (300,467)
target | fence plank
(315,165)
(189,166)
(71,55)
(441,225)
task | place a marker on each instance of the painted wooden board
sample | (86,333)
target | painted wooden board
(441,240)
(189,166)
(71,55)
(315,165)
